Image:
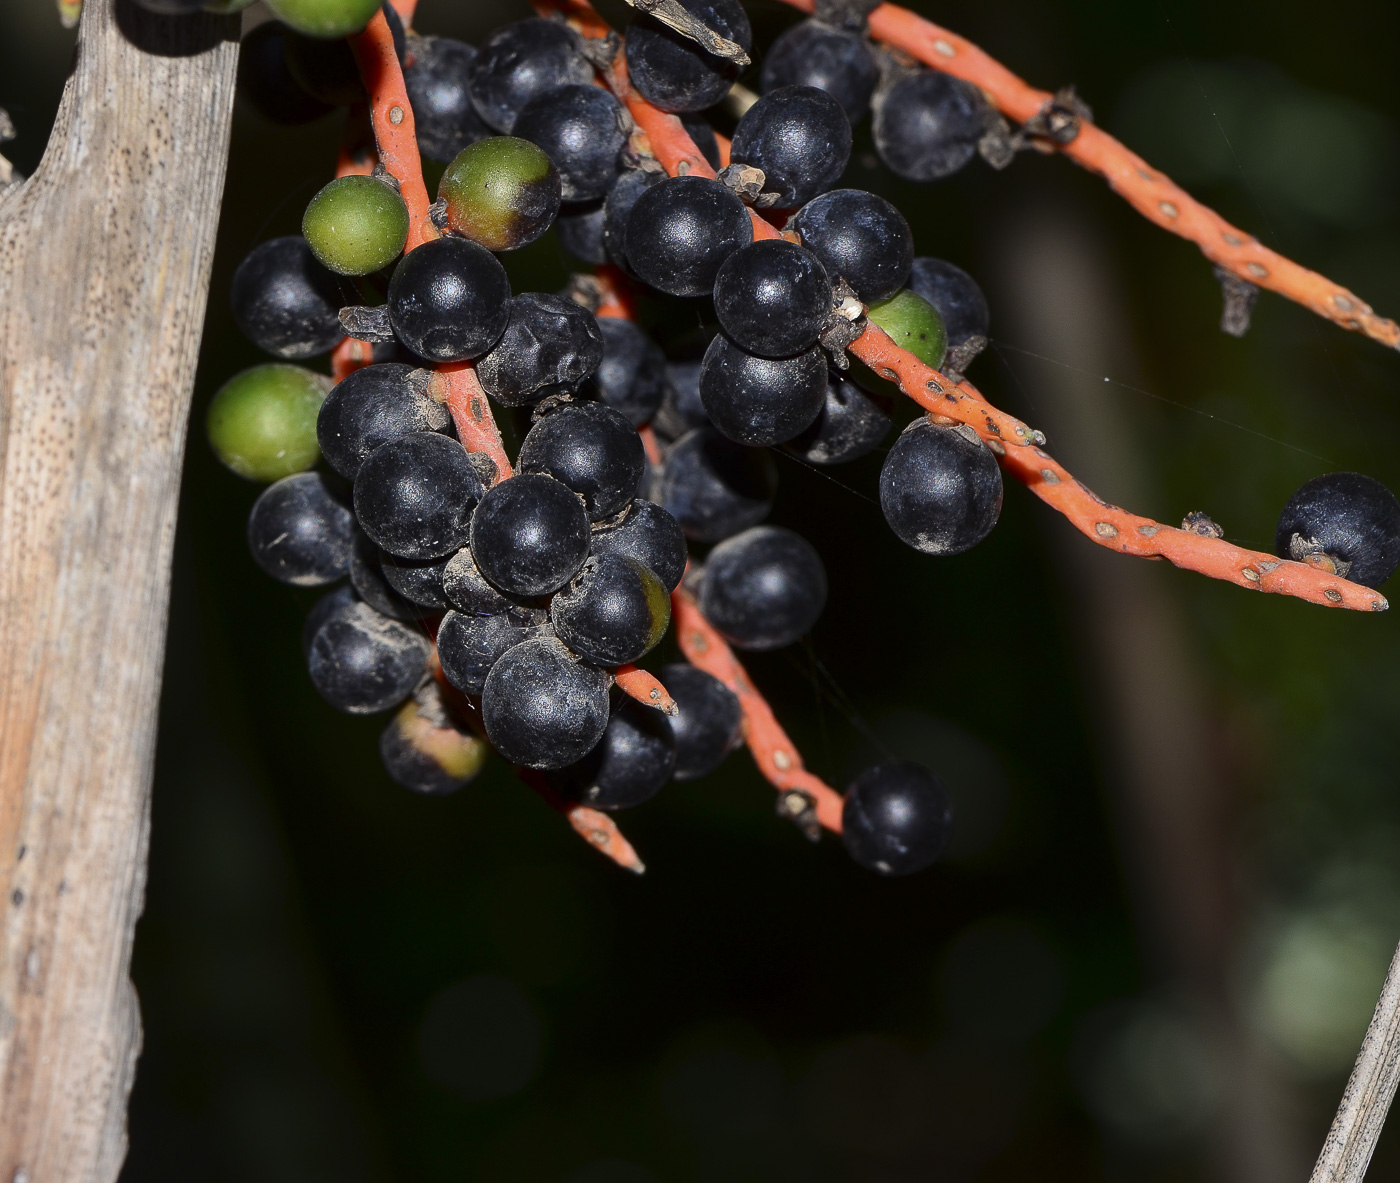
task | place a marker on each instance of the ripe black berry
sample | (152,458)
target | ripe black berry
(522,60)
(896,818)
(284,301)
(361,662)
(265,80)
(801,139)
(370,407)
(764,588)
(615,610)
(835,60)
(549,346)
(715,488)
(645,532)
(529,535)
(443,115)
(709,722)
(542,706)
(674,73)
(927,125)
(593,450)
(772,298)
(424,751)
(761,401)
(617,208)
(468,591)
(582,129)
(469,646)
(955,295)
(680,231)
(414,495)
(940,488)
(300,531)
(859,237)
(629,765)
(702,135)
(419,583)
(632,374)
(681,408)
(367,578)
(849,425)
(322,610)
(448,300)
(1343,522)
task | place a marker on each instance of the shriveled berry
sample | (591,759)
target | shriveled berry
(284,301)
(850,425)
(715,488)
(542,706)
(502,192)
(325,18)
(680,231)
(522,60)
(859,237)
(940,488)
(593,450)
(582,129)
(356,225)
(772,298)
(448,300)
(468,591)
(424,751)
(1343,523)
(955,295)
(764,588)
(709,722)
(631,377)
(645,532)
(265,80)
(896,818)
(913,324)
(414,495)
(361,662)
(801,139)
(436,80)
(262,422)
(761,401)
(927,125)
(673,72)
(300,531)
(549,346)
(629,765)
(835,60)
(469,646)
(615,610)
(529,535)
(617,208)
(372,406)
(580,230)
(367,578)
(419,583)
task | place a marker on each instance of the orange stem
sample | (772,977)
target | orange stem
(471,413)
(645,687)
(592,825)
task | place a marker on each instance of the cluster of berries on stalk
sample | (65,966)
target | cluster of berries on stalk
(495,611)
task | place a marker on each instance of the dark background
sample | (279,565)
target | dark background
(1156,941)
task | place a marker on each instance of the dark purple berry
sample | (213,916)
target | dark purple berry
(671,71)
(645,532)
(367,578)
(801,139)
(849,426)
(469,646)
(896,818)
(582,129)
(761,401)
(370,407)
(284,301)
(522,60)
(443,115)
(772,298)
(681,409)
(927,125)
(361,662)
(715,488)
(419,583)
(860,238)
(617,208)
(414,495)
(764,588)
(615,610)
(629,765)
(300,531)
(529,535)
(709,722)
(835,60)
(1344,523)
(542,706)
(549,346)
(940,488)
(322,610)
(468,591)
(702,135)
(680,231)
(593,450)
(954,295)
(449,300)
(631,377)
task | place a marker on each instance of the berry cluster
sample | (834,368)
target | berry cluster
(505,601)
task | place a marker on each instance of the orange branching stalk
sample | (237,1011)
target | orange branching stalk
(775,754)
(645,687)
(457,386)
(1153,194)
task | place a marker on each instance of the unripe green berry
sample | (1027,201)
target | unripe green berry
(325,18)
(913,324)
(356,225)
(262,423)
(502,192)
